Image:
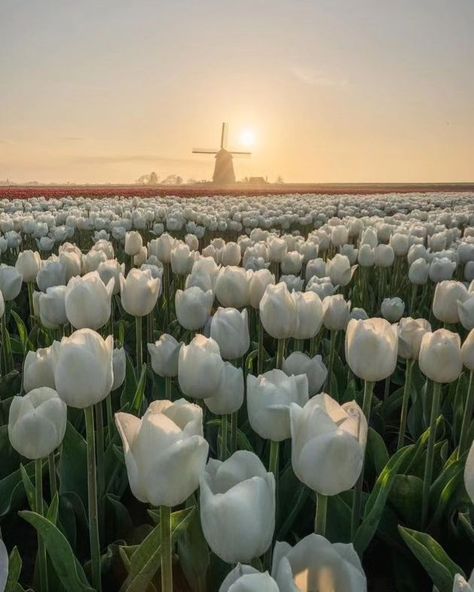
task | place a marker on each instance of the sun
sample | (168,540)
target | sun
(248,138)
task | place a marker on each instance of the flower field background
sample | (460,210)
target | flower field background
(237,393)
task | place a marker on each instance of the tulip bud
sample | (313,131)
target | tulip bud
(139,292)
(28,264)
(300,363)
(440,356)
(38,369)
(371,348)
(446,298)
(469,473)
(83,368)
(245,578)
(232,287)
(229,395)
(37,423)
(410,333)
(257,285)
(336,312)
(230,329)
(237,500)
(268,402)
(278,311)
(133,243)
(392,309)
(309,314)
(119,365)
(193,307)
(10,282)
(328,444)
(173,432)
(164,355)
(88,301)
(314,561)
(199,368)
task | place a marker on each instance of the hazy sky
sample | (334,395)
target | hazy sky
(334,90)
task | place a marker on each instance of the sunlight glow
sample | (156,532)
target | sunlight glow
(248,138)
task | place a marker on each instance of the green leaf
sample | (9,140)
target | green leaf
(73,463)
(377,454)
(137,402)
(194,556)
(12,492)
(65,564)
(22,333)
(52,513)
(14,570)
(432,557)
(378,498)
(29,487)
(406,496)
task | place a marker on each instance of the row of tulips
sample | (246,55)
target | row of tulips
(218,382)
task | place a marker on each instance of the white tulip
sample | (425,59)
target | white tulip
(38,369)
(309,314)
(237,501)
(28,264)
(440,356)
(300,363)
(229,395)
(245,578)
(119,365)
(469,473)
(193,307)
(164,355)
(52,273)
(418,272)
(410,333)
(200,367)
(448,294)
(232,287)
(111,269)
(257,285)
(10,282)
(328,444)
(392,309)
(460,583)
(278,311)
(268,402)
(139,292)
(230,329)
(88,301)
(52,307)
(165,452)
(336,312)
(133,243)
(339,270)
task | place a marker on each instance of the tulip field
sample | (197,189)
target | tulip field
(237,394)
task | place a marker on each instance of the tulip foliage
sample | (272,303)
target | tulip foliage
(237,394)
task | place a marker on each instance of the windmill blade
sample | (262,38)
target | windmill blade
(204,151)
(240,153)
(224,135)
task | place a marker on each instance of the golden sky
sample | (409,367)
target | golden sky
(333,90)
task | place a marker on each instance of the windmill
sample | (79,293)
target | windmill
(224,168)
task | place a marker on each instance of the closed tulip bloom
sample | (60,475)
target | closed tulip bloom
(245,578)
(278,311)
(294,283)
(467,351)
(339,235)
(315,267)
(277,249)
(410,334)
(392,309)
(92,260)
(38,369)
(469,473)
(133,242)
(460,583)
(229,395)
(300,363)
(237,501)
(200,367)
(52,273)
(164,355)
(309,314)
(119,366)
(37,423)
(316,564)
(88,301)
(339,270)
(230,329)
(366,256)
(440,356)
(336,312)
(165,452)
(384,256)
(162,247)
(230,254)
(72,264)
(232,287)
(328,444)
(359,314)
(83,368)
(258,284)
(52,307)
(321,286)
(292,263)
(371,348)
(139,292)
(418,272)
(441,268)
(111,269)
(193,307)
(28,264)
(140,258)
(268,402)
(400,243)
(182,259)
(10,282)
(445,301)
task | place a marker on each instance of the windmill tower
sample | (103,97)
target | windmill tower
(224,167)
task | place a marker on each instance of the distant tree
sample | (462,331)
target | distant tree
(153,178)
(279,180)
(179,180)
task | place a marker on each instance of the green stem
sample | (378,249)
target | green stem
(233,431)
(435,407)
(138,344)
(273,462)
(166,557)
(467,417)
(357,498)
(168,387)
(43,565)
(166,293)
(405,402)
(92,499)
(321,513)
(53,486)
(332,354)
(224,438)
(280,353)
(99,418)
(261,350)
(110,417)
(30,302)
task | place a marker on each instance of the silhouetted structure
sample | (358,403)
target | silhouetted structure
(224,167)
